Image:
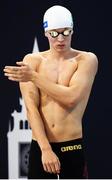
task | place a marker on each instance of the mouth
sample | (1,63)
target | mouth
(61,45)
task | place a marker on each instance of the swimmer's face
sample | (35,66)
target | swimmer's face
(59,38)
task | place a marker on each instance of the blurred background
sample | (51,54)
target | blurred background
(20,27)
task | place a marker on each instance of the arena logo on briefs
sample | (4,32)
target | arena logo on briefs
(71,148)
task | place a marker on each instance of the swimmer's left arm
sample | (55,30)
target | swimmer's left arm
(80,82)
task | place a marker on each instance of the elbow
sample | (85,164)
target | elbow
(70,103)
(72,100)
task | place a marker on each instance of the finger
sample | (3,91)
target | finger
(52,167)
(57,167)
(12,75)
(15,70)
(7,74)
(13,79)
(47,168)
(21,63)
(11,69)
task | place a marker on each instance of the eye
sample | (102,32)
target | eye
(66,32)
(53,33)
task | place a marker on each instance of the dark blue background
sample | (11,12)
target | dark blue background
(21,21)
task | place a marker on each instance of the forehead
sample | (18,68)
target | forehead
(60,29)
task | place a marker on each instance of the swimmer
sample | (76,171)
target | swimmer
(56,85)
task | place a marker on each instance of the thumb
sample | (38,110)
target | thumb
(21,63)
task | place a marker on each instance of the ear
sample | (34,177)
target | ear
(72,32)
(46,34)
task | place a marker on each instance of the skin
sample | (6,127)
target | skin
(56,86)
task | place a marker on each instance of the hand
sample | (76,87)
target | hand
(21,73)
(50,162)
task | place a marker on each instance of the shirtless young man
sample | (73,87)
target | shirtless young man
(56,85)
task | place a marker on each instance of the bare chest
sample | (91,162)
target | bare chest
(58,73)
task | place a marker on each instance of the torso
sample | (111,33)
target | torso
(61,123)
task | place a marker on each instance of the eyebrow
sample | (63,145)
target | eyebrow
(59,30)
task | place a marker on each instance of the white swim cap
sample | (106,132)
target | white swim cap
(57,17)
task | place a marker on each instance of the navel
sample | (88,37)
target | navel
(53,125)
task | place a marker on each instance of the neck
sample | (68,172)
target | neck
(60,54)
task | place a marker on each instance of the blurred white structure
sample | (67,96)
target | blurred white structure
(21,133)
(35,46)
(19,138)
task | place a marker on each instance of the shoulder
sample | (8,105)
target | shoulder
(86,56)
(36,57)
(89,60)
(90,56)
(33,59)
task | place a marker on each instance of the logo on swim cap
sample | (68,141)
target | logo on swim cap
(57,17)
(45,24)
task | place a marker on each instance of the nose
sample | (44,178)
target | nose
(60,38)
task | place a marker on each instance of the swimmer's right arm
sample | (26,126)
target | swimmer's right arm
(31,98)
(30,95)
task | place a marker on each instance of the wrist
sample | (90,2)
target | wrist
(46,148)
(33,77)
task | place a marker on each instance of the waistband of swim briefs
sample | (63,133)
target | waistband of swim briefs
(69,143)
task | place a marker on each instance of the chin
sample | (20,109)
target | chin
(61,49)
